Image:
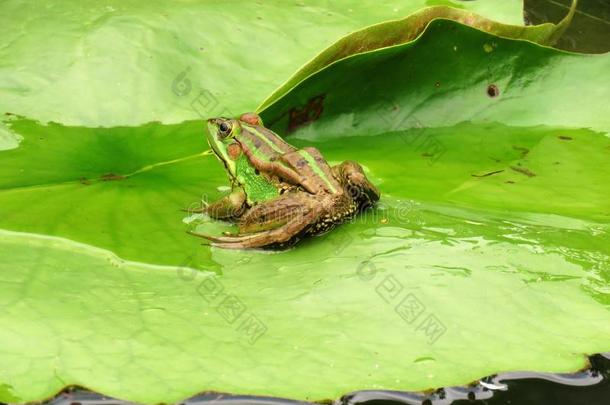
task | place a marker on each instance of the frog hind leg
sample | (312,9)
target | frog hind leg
(287,225)
(275,213)
(351,176)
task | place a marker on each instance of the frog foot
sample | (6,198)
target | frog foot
(210,237)
(356,184)
(280,236)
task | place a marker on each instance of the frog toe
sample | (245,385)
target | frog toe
(205,236)
(357,185)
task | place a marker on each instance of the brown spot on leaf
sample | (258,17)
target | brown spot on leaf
(509,182)
(298,117)
(524,151)
(523,170)
(487,174)
(565,138)
(111,177)
(493,90)
(84,181)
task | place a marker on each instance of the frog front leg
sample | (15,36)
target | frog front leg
(230,206)
(351,176)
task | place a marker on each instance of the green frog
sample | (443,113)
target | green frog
(280,193)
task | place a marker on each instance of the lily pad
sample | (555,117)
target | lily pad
(131,62)
(397,32)
(489,250)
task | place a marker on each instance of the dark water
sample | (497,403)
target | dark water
(590,386)
(589,30)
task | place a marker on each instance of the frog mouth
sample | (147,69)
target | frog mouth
(230,169)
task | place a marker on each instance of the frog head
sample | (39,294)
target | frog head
(222,134)
(247,150)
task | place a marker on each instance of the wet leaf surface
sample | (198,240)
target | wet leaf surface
(488,251)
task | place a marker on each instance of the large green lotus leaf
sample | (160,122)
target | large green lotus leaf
(489,251)
(90,62)
(396,32)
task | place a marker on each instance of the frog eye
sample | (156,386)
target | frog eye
(224,129)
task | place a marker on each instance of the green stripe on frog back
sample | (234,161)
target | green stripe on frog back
(317,170)
(274,141)
(262,157)
(257,187)
(261,152)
